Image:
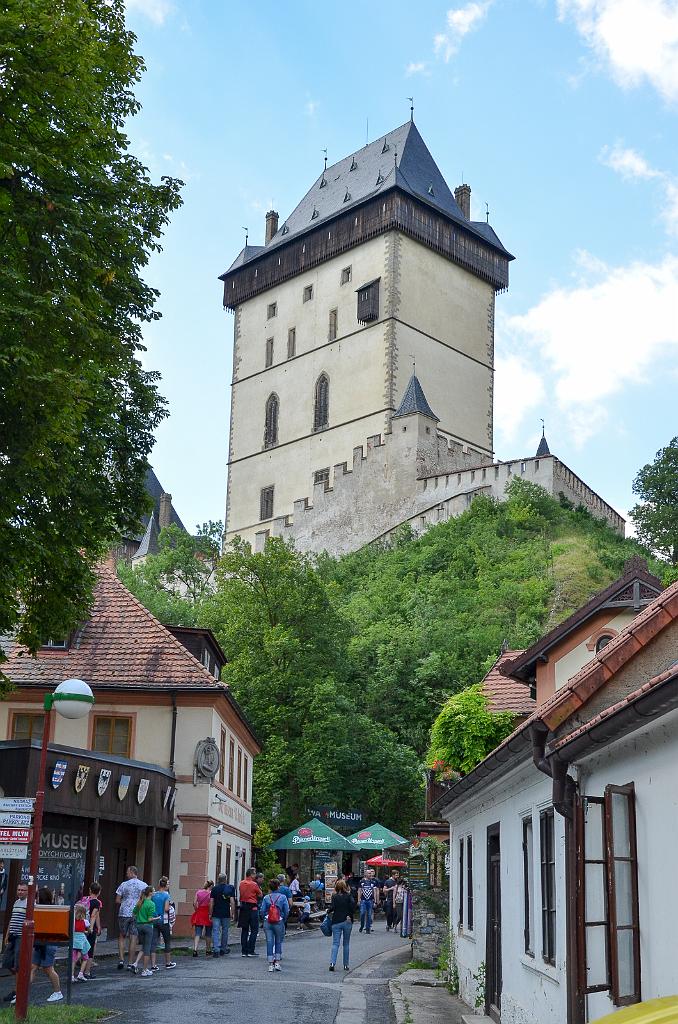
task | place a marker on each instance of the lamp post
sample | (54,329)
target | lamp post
(71,699)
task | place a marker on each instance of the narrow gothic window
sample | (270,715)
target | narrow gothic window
(266,504)
(269,352)
(291,342)
(321,405)
(332,332)
(271,421)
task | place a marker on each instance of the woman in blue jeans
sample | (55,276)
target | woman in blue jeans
(275,910)
(341,913)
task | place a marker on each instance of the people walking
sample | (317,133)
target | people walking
(248,915)
(275,908)
(201,920)
(126,896)
(222,909)
(81,944)
(93,907)
(145,917)
(161,927)
(367,895)
(388,888)
(342,908)
(399,896)
(44,955)
(10,956)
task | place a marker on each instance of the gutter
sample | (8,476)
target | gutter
(563,785)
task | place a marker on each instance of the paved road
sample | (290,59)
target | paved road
(233,989)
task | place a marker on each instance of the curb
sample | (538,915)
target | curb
(401,1007)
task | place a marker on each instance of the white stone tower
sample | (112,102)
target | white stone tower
(378,267)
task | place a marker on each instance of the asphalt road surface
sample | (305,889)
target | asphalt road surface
(232,989)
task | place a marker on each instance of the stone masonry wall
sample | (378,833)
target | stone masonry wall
(429,924)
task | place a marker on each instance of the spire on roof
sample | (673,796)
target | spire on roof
(543,448)
(149,541)
(414,401)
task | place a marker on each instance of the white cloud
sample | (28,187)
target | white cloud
(632,166)
(460,21)
(637,40)
(601,335)
(155,10)
(417,68)
(518,390)
(311,106)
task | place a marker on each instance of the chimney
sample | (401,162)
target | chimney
(165,514)
(271,225)
(462,194)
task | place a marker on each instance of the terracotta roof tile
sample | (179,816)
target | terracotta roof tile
(120,644)
(504,693)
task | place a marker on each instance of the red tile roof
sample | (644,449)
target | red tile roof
(503,692)
(121,644)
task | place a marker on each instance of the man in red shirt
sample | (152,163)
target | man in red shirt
(248,915)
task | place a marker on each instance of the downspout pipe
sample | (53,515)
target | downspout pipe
(173,735)
(563,786)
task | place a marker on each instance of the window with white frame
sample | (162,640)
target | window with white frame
(465,910)
(528,886)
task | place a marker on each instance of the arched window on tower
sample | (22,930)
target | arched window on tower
(321,404)
(271,421)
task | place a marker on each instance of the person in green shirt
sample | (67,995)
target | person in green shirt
(145,915)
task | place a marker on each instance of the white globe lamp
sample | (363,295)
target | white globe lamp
(72,699)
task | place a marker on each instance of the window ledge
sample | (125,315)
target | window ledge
(539,967)
(463,934)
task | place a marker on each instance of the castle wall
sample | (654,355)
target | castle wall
(414,478)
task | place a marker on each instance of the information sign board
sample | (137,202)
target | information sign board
(15,835)
(17,803)
(15,819)
(13,851)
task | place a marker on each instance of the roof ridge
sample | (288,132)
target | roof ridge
(105,573)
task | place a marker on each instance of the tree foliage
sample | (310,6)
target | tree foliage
(175,583)
(656,517)
(466,730)
(79,217)
(264,858)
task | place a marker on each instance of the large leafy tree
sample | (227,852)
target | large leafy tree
(79,217)
(656,517)
(175,583)
(286,646)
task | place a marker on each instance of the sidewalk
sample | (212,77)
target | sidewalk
(419,997)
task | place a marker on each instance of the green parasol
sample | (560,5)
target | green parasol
(313,835)
(375,837)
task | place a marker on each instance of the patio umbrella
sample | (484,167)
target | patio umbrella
(376,837)
(313,835)
(385,862)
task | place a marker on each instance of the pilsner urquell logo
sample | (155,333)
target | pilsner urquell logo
(305,833)
(365,835)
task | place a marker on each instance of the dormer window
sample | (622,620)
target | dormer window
(315,214)
(380,178)
(602,641)
(322,184)
(385,148)
(58,644)
(354,165)
(347,196)
(368,302)
(430,190)
(285,229)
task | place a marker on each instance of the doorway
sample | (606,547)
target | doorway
(118,843)
(493,938)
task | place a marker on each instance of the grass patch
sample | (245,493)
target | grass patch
(417,965)
(57,1014)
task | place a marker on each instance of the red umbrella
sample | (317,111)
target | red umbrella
(385,862)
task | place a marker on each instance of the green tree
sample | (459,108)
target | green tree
(79,217)
(175,583)
(656,517)
(466,731)
(265,858)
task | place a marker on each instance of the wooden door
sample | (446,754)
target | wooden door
(493,952)
(118,846)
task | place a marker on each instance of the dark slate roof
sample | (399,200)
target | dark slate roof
(154,489)
(414,401)
(149,541)
(543,448)
(245,255)
(399,158)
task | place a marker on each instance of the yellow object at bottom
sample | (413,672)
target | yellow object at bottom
(654,1011)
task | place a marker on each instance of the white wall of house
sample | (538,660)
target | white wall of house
(533,990)
(647,758)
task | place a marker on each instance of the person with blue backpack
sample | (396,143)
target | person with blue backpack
(275,908)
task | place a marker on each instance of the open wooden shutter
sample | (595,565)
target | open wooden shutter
(593,973)
(622,887)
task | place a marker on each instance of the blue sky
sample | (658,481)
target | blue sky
(562,115)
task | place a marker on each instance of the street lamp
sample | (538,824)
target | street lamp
(71,699)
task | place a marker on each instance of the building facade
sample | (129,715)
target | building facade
(159,775)
(561,837)
(378,267)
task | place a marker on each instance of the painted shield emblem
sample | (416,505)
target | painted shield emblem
(165,799)
(104,779)
(143,790)
(58,773)
(81,777)
(123,786)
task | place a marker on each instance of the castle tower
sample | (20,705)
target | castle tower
(378,265)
